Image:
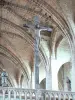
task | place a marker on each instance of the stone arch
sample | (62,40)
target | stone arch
(21,80)
(54,12)
(63,73)
(1,66)
(5,52)
(10,82)
(29,39)
(58,17)
(59,20)
(57,44)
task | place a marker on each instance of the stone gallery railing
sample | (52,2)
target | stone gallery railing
(8,93)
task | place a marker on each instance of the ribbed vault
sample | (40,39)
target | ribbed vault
(17,42)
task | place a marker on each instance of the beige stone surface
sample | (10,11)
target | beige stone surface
(17,42)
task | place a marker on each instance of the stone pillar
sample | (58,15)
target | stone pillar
(48,80)
(36,58)
(49,76)
(73,71)
(54,80)
(32,81)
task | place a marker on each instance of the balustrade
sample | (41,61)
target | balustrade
(8,93)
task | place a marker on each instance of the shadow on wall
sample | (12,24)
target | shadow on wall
(43,84)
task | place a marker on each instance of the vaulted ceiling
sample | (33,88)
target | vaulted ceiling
(17,42)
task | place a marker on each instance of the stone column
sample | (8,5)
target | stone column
(54,80)
(49,76)
(48,80)
(32,81)
(36,58)
(73,71)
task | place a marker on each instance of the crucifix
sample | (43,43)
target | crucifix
(37,29)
